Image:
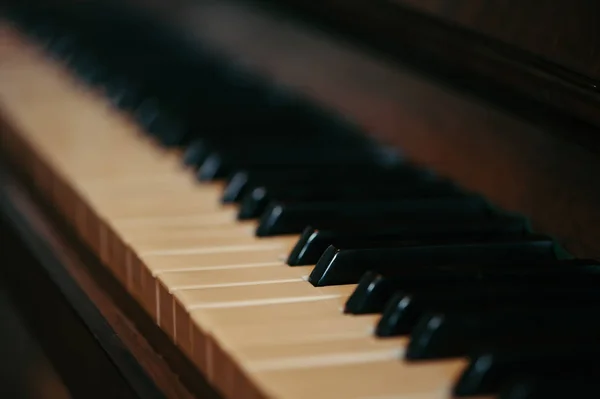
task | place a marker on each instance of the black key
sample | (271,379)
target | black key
(313,242)
(405,308)
(289,218)
(170,130)
(265,149)
(63,45)
(255,202)
(443,335)
(553,387)
(261,123)
(243,181)
(488,370)
(219,166)
(123,92)
(195,153)
(235,139)
(148,112)
(339,266)
(374,290)
(90,69)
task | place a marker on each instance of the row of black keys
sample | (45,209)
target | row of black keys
(175,91)
(435,262)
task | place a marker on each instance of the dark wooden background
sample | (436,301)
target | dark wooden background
(565,32)
(543,53)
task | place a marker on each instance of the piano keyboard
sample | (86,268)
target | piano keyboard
(288,258)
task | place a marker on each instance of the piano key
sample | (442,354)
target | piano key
(188,236)
(313,241)
(268,111)
(278,355)
(293,356)
(195,153)
(219,166)
(152,189)
(490,369)
(267,137)
(182,302)
(242,181)
(306,334)
(442,335)
(180,228)
(296,289)
(267,119)
(341,266)
(170,130)
(161,177)
(407,306)
(195,203)
(122,91)
(213,278)
(158,241)
(199,260)
(385,379)
(175,296)
(313,321)
(318,309)
(63,45)
(375,290)
(127,199)
(287,218)
(150,267)
(315,352)
(214,245)
(255,202)
(88,67)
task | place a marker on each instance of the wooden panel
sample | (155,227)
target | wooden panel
(562,31)
(519,54)
(81,348)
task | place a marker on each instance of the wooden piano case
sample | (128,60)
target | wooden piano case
(506,114)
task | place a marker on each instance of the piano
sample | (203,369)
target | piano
(290,199)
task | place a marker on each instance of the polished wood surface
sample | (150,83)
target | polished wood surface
(529,57)
(563,32)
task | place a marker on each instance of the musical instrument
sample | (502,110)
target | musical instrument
(295,256)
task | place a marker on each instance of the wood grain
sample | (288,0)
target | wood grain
(522,55)
(564,32)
